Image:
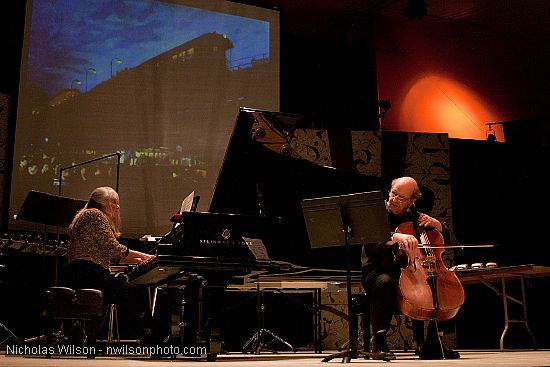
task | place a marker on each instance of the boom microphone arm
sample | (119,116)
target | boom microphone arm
(90,161)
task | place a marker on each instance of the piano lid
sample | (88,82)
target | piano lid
(255,179)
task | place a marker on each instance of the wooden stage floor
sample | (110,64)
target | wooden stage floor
(469,358)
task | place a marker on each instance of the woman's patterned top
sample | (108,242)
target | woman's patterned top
(92,238)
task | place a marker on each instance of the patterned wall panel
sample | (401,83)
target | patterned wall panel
(367,151)
(309,144)
(312,145)
(428,153)
(334,315)
(427,160)
(334,318)
(335,321)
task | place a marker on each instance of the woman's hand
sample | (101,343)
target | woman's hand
(136,257)
(143,258)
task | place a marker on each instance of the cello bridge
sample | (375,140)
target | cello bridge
(429,263)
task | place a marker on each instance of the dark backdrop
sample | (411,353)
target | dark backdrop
(499,195)
(498,190)
(11,29)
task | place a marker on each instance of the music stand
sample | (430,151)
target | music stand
(346,220)
(48,209)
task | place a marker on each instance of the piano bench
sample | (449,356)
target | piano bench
(84,308)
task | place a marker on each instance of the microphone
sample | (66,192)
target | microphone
(118,154)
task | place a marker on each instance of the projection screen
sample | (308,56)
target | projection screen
(160,82)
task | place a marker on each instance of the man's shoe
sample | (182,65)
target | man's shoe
(448,353)
(418,348)
(381,355)
(435,352)
(379,348)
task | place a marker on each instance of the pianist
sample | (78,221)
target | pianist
(94,246)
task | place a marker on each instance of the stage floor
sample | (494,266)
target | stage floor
(469,358)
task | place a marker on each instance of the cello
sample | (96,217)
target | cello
(427,289)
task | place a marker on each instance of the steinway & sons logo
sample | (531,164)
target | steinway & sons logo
(225,238)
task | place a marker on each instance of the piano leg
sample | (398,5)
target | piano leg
(214,296)
(196,306)
(190,313)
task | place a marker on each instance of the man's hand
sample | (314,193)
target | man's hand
(405,241)
(425,220)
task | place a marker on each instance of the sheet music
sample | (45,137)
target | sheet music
(187,202)
(257,248)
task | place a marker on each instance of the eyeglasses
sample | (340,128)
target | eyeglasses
(401,199)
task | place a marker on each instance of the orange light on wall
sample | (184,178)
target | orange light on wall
(438,104)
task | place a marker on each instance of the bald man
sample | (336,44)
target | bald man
(381,267)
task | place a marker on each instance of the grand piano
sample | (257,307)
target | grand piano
(254,222)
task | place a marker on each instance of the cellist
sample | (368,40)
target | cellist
(381,265)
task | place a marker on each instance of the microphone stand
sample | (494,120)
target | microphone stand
(88,162)
(60,182)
